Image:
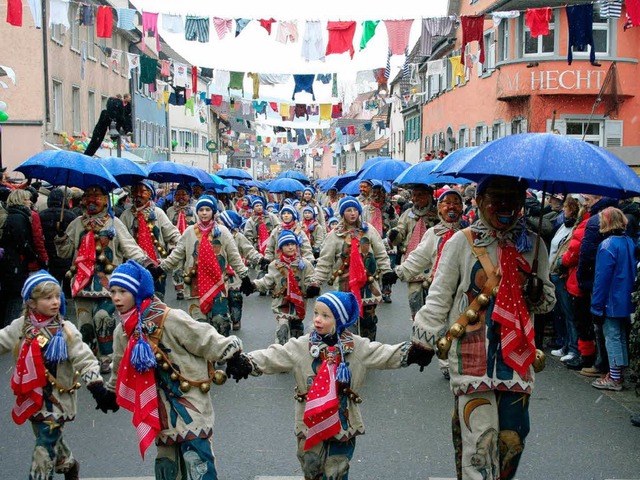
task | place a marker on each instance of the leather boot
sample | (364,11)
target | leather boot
(74,472)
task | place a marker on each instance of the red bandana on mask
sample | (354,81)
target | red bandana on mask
(85,262)
(210,281)
(137,391)
(357,272)
(376,216)
(309,226)
(181,224)
(263,235)
(294,294)
(510,311)
(145,240)
(418,232)
(27,381)
(321,409)
(443,239)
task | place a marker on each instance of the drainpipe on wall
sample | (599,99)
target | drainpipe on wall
(45,61)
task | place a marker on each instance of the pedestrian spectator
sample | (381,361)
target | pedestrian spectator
(42,257)
(329,366)
(631,210)
(56,218)
(169,397)
(51,359)
(489,340)
(611,299)
(314,231)
(19,252)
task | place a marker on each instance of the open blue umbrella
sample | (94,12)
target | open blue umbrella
(423,174)
(125,171)
(384,170)
(342,180)
(552,163)
(213,181)
(281,185)
(296,175)
(371,161)
(257,184)
(71,169)
(235,173)
(163,172)
(202,176)
(353,187)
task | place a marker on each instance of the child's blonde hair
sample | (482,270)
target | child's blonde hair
(41,290)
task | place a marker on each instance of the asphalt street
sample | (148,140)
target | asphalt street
(577,432)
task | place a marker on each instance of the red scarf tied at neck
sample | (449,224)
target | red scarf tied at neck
(181,224)
(294,294)
(263,235)
(145,239)
(357,272)
(210,280)
(28,379)
(85,262)
(376,216)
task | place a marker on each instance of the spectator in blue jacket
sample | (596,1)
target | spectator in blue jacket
(611,303)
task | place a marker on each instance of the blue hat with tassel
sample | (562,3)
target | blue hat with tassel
(136,279)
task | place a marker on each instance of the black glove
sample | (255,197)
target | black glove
(264,264)
(391,211)
(420,355)
(105,399)
(598,319)
(155,271)
(390,278)
(392,235)
(247,286)
(313,291)
(239,367)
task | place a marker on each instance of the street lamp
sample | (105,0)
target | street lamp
(114,134)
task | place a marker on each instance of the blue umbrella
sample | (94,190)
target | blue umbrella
(384,170)
(296,175)
(371,161)
(202,176)
(455,158)
(216,183)
(552,163)
(235,173)
(342,180)
(423,174)
(257,184)
(72,169)
(281,185)
(125,171)
(353,187)
(163,172)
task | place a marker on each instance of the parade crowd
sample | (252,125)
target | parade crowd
(496,275)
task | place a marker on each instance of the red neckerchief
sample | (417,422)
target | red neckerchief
(263,234)
(145,239)
(444,238)
(321,409)
(416,236)
(376,216)
(357,272)
(510,311)
(289,225)
(85,262)
(28,378)
(137,392)
(181,224)
(294,294)
(307,228)
(210,281)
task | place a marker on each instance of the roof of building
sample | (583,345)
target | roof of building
(375,145)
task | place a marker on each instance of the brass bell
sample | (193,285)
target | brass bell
(78,386)
(193,272)
(457,330)
(187,280)
(376,276)
(69,274)
(494,291)
(156,242)
(219,377)
(158,356)
(483,299)
(205,387)
(165,366)
(108,268)
(150,225)
(102,258)
(61,390)
(52,382)
(370,279)
(98,247)
(426,283)
(358,400)
(96,237)
(340,272)
(174,376)
(472,316)
(73,269)
(443,346)
(185,386)
(539,362)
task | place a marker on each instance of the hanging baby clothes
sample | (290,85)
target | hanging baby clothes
(497,17)
(457,71)
(633,12)
(196,28)
(221,80)
(303,83)
(312,42)
(150,24)
(216,100)
(580,21)
(83,58)
(240,24)
(274,78)
(434,27)
(537,19)
(36,12)
(104,22)
(148,68)
(274,106)
(133,60)
(236,82)
(313,109)
(14,12)
(255,81)
(180,75)
(341,37)
(246,108)
(165,68)
(59,13)
(336,110)
(300,110)
(194,79)
(610,8)
(85,15)
(368,31)
(398,32)
(283,110)
(334,85)
(189,105)
(434,67)
(115,58)
(473,29)
(266,24)
(177,98)
(163,95)
(125,18)
(324,78)
(172,23)
(301,139)
(287,32)
(260,108)
(222,26)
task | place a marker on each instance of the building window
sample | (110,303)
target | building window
(542,44)
(91,38)
(489,64)
(479,134)
(495,131)
(115,66)
(138,131)
(75,110)
(462,138)
(600,36)
(504,37)
(517,126)
(143,133)
(196,142)
(58,112)
(185,141)
(103,102)
(75,36)
(203,144)
(91,109)
(56,33)
(150,128)
(102,42)
(592,131)
(163,137)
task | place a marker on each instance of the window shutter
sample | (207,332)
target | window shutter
(613,133)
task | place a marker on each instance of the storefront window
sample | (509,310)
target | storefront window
(592,130)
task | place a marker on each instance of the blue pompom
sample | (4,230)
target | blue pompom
(57,350)
(343,375)
(142,357)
